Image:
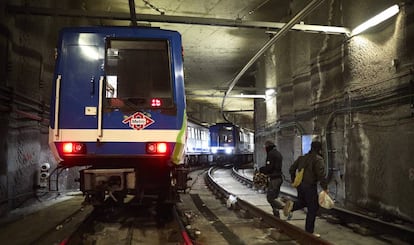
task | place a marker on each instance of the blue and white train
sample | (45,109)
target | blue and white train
(221,143)
(198,144)
(118,109)
(231,144)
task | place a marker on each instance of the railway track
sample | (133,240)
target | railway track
(55,231)
(129,225)
(360,223)
(202,219)
(284,231)
(209,221)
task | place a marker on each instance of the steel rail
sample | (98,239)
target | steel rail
(290,230)
(183,231)
(347,216)
(77,236)
(56,227)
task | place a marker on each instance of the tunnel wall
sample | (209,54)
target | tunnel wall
(26,71)
(353,93)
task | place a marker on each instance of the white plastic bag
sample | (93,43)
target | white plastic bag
(325,200)
(231,201)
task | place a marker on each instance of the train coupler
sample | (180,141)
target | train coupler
(181,176)
(107,179)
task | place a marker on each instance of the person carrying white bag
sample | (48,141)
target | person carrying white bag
(310,169)
(325,200)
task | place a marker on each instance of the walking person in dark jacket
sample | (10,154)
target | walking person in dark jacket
(273,170)
(314,172)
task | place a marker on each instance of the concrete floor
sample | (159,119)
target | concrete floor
(32,221)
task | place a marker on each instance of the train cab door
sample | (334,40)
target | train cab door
(78,81)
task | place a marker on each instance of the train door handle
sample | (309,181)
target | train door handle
(57,104)
(101,81)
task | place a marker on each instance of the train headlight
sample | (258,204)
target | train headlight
(74,148)
(228,150)
(67,147)
(161,148)
(157,148)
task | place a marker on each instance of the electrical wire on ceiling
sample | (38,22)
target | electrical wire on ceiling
(253,10)
(302,14)
(132,13)
(151,6)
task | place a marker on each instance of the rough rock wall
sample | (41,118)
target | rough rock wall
(356,94)
(26,74)
(380,66)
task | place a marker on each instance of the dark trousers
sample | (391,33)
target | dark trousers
(308,197)
(273,192)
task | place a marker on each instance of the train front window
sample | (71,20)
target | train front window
(137,73)
(226,135)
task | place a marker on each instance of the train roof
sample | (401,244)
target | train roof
(125,30)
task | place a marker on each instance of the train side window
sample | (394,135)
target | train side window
(198,136)
(111,87)
(188,132)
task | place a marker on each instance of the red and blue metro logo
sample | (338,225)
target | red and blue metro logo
(138,121)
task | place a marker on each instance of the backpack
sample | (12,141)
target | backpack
(300,172)
(298,177)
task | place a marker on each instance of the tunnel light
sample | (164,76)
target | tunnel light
(270,92)
(243,96)
(248,96)
(384,15)
(334,30)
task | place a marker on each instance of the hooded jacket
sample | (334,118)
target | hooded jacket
(314,169)
(273,166)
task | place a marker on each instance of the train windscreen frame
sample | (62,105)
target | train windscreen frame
(138,71)
(226,135)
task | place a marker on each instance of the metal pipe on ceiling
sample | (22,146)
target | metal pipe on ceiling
(299,16)
(132,13)
(189,20)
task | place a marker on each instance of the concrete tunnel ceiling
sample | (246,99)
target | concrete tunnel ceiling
(219,38)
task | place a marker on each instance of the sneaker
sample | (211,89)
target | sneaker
(317,235)
(276,213)
(288,208)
